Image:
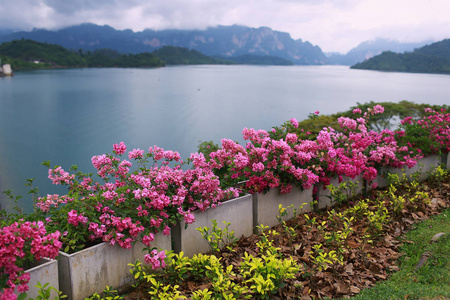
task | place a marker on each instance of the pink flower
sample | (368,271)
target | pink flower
(147,239)
(291,138)
(155,259)
(294,122)
(119,148)
(189,218)
(136,153)
(73,218)
(357,111)
(317,112)
(258,167)
(166,230)
(378,109)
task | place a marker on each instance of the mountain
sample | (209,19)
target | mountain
(226,41)
(370,49)
(434,58)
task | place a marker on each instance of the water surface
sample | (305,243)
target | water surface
(67,116)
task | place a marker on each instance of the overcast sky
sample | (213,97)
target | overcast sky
(333,25)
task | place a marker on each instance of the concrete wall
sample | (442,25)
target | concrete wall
(324,193)
(45,271)
(88,271)
(266,205)
(239,212)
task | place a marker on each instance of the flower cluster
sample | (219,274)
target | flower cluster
(156,259)
(21,244)
(430,134)
(125,206)
(282,159)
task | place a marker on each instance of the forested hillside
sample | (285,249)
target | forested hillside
(28,54)
(182,56)
(434,58)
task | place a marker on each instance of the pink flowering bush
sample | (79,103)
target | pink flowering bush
(137,194)
(354,150)
(268,160)
(126,206)
(280,158)
(429,134)
(23,243)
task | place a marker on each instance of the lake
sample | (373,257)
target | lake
(67,116)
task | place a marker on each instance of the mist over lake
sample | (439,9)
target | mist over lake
(67,116)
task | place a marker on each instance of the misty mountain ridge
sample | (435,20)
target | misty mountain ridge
(369,49)
(223,41)
(234,42)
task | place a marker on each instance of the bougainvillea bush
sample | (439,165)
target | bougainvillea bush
(429,134)
(23,243)
(126,206)
(280,158)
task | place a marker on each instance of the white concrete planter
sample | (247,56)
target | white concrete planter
(325,201)
(266,205)
(238,211)
(425,165)
(445,159)
(44,271)
(89,271)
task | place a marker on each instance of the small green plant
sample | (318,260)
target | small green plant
(341,193)
(284,211)
(205,266)
(310,224)
(225,288)
(288,230)
(322,259)
(266,274)
(202,295)
(44,293)
(217,237)
(339,231)
(359,210)
(138,273)
(395,178)
(397,202)
(437,176)
(159,290)
(265,243)
(177,267)
(107,294)
(377,220)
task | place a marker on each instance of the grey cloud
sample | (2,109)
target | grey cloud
(71,7)
(331,24)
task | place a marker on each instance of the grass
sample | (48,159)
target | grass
(432,280)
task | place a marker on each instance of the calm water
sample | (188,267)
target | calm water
(67,116)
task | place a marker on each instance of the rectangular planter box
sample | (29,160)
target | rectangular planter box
(445,159)
(325,201)
(425,165)
(89,271)
(237,211)
(265,206)
(44,271)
